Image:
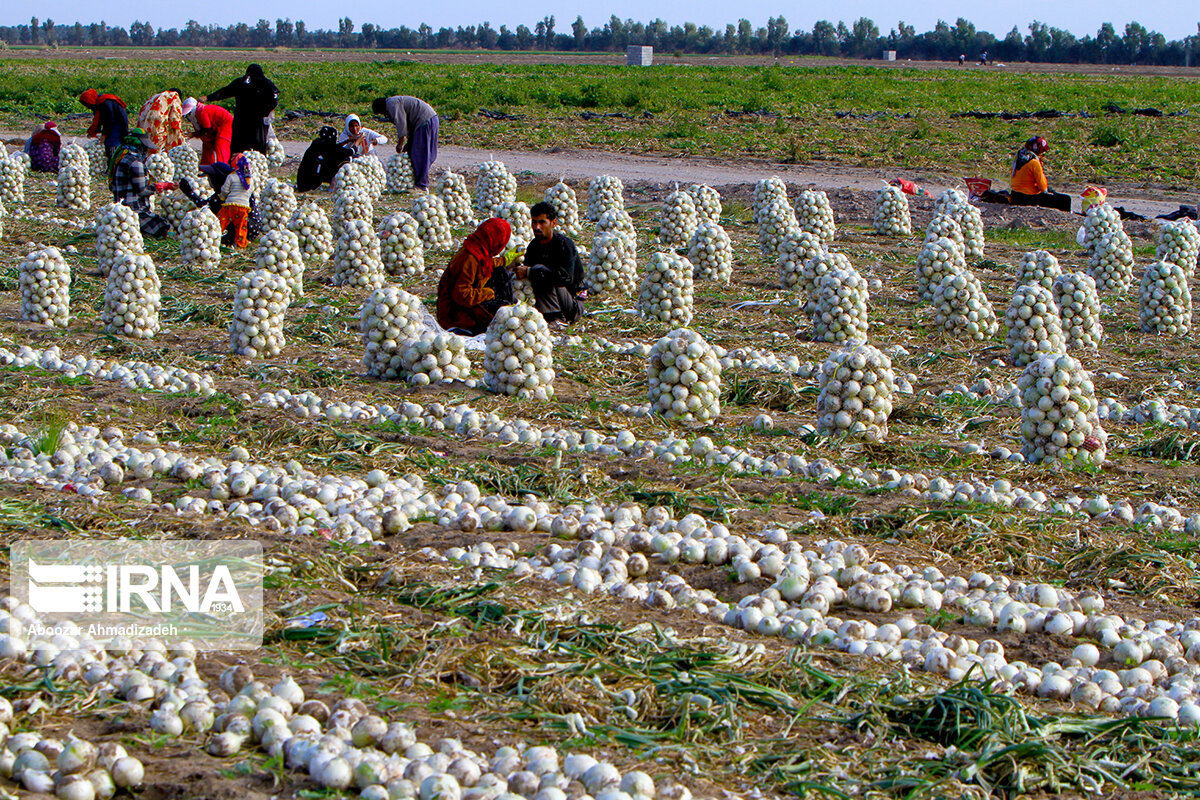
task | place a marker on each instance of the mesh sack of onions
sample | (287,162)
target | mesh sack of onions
(45,281)
(131,297)
(813,270)
(276,155)
(519,220)
(187,165)
(118,231)
(962,307)
(74,190)
(1165,300)
(678,219)
(1111,263)
(200,239)
(605,192)
(98,160)
(277,203)
(1179,243)
(1059,419)
(612,265)
(840,313)
(892,215)
(12,180)
(352,202)
(435,358)
(617,221)
(711,253)
(1079,309)
(356,258)
(666,291)
(796,250)
(1032,325)
(708,202)
(776,221)
(452,188)
(855,398)
(399,173)
(400,245)
(174,206)
(279,252)
(260,304)
(432,221)
(312,229)
(937,259)
(684,377)
(1102,220)
(518,356)
(1038,266)
(493,186)
(389,317)
(815,215)
(563,198)
(945,226)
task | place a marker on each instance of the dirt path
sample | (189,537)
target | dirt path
(661,172)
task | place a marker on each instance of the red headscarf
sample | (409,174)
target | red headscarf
(489,239)
(93,98)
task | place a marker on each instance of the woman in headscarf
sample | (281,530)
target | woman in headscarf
(213,126)
(254,98)
(359,139)
(43,147)
(321,160)
(110,121)
(162,117)
(466,302)
(127,177)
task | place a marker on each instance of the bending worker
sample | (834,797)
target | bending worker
(416,132)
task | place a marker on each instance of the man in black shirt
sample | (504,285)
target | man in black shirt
(554,268)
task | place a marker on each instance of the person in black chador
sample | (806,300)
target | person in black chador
(321,160)
(254,98)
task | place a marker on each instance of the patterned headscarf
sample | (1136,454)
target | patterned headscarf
(134,142)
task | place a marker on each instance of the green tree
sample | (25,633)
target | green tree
(825,42)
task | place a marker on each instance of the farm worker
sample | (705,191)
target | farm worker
(213,126)
(127,177)
(43,147)
(254,100)
(216,173)
(361,140)
(1029,185)
(110,121)
(162,117)
(553,267)
(235,201)
(321,160)
(416,132)
(467,294)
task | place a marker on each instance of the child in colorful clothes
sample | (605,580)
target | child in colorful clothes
(235,201)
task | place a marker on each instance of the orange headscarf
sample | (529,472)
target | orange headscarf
(489,239)
(92,98)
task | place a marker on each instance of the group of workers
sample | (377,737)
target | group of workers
(478,280)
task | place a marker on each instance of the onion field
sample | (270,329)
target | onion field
(830,494)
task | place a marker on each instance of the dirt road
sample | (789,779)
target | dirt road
(656,173)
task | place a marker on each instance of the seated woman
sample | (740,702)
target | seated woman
(43,147)
(467,294)
(1029,185)
(321,160)
(359,139)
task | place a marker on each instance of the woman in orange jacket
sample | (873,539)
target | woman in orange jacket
(1029,185)
(466,302)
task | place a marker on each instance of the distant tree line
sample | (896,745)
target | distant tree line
(861,39)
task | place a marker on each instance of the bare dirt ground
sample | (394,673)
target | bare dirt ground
(529,57)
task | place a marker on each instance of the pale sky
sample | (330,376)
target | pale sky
(1175,20)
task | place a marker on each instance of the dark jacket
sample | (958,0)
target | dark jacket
(561,258)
